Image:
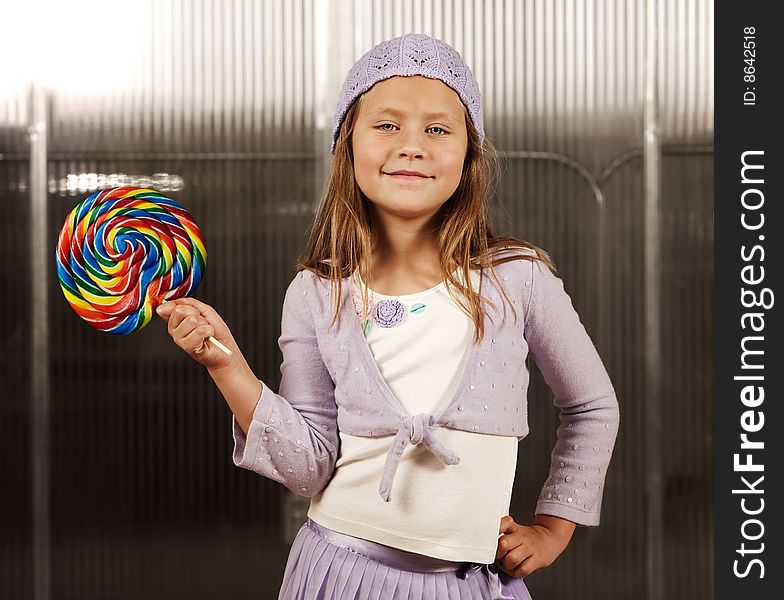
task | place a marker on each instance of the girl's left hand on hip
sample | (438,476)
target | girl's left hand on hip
(522,549)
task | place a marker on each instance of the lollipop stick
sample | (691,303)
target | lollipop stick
(219,345)
(214,341)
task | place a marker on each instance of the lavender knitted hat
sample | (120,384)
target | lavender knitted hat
(407,55)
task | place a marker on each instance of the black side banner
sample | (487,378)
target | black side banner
(748,265)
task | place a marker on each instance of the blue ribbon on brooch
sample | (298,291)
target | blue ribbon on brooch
(492,577)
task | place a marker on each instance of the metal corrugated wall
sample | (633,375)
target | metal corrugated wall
(603,113)
(16,539)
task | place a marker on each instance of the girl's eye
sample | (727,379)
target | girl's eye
(434,127)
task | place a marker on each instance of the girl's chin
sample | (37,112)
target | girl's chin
(407,210)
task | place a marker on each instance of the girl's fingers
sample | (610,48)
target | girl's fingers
(169,308)
(512,536)
(190,321)
(508,525)
(507,544)
(190,324)
(187,306)
(195,341)
(201,307)
(525,568)
(517,559)
(178,315)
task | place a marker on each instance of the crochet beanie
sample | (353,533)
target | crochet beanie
(407,55)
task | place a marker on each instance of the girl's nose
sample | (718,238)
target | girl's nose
(412,143)
(411,147)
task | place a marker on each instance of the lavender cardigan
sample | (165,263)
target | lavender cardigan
(330,381)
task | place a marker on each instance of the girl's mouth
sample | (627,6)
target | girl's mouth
(408,177)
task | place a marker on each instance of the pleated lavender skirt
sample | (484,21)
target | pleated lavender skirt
(327,565)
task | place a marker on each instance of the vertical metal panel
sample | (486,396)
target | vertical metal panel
(233,102)
(653,314)
(685,79)
(16,464)
(687,391)
(40,391)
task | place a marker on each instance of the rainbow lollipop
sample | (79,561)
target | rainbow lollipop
(124,251)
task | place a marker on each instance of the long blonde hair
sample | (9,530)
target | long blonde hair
(342,239)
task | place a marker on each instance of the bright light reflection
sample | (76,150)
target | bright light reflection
(80,47)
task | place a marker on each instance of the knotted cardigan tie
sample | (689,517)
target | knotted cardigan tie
(416,429)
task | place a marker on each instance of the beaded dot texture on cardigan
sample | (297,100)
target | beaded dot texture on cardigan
(330,383)
(408,55)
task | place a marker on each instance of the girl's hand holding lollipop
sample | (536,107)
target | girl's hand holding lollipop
(190,324)
(124,251)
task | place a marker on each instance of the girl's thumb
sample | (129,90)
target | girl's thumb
(164,310)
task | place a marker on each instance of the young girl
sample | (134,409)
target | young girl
(405,335)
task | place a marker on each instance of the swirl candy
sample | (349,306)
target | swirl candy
(124,251)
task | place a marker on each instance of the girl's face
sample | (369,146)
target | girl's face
(411,124)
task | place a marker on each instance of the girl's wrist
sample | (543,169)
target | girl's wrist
(236,364)
(563,528)
(241,389)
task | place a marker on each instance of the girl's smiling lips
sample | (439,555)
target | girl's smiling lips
(408,175)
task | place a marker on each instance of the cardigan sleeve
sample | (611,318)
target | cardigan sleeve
(589,415)
(293,437)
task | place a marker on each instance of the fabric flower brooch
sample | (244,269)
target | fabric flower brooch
(385,313)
